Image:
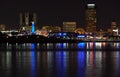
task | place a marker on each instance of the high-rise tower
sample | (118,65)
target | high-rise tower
(21,19)
(35,18)
(26,20)
(91,18)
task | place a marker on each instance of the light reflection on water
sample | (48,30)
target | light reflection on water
(84,59)
(61,46)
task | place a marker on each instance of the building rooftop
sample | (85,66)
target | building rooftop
(90,5)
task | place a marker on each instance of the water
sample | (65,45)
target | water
(84,59)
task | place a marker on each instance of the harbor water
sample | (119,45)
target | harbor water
(83,59)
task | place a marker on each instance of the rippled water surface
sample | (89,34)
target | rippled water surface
(84,59)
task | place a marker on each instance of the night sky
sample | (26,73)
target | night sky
(54,12)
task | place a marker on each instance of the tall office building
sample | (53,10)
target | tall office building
(26,20)
(21,19)
(113,25)
(35,18)
(91,18)
(114,28)
(69,26)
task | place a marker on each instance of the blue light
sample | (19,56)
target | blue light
(81,36)
(60,45)
(33,60)
(60,34)
(64,34)
(81,64)
(81,45)
(32,46)
(33,28)
(60,63)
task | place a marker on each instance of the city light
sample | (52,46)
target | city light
(91,4)
(33,28)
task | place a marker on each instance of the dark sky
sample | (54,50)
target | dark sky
(54,12)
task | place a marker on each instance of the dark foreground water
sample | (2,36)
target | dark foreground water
(85,59)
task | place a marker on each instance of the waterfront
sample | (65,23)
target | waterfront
(83,59)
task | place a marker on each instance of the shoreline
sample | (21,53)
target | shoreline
(42,39)
(48,41)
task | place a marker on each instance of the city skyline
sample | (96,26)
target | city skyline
(56,12)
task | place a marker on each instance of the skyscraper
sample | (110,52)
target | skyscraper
(21,19)
(26,20)
(91,18)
